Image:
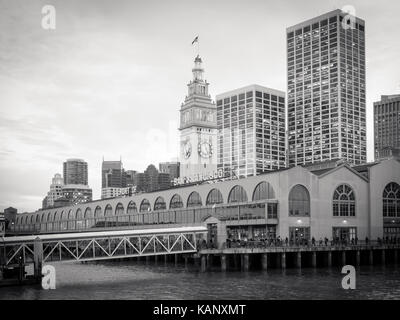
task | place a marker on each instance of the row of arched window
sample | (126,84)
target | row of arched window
(344,203)
(237,194)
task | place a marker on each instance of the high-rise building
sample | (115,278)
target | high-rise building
(55,191)
(326,89)
(75,172)
(198,128)
(251,131)
(172,168)
(115,181)
(111,174)
(387,126)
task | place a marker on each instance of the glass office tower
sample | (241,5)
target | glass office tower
(326,89)
(251,131)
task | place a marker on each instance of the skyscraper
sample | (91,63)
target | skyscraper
(387,126)
(75,172)
(198,128)
(111,174)
(251,130)
(172,168)
(326,89)
(56,191)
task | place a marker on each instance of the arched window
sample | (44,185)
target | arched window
(299,201)
(344,204)
(145,205)
(131,208)
(58,216)
(391,200)
(98,212)
(70,215)
(263,191)
(119,210)
(79,214)
(214,197)
(194,200)
(108,211)
(237,194)
(37,218)
(88,213)
(159,204)
(176,202)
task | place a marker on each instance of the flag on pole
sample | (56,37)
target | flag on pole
(195,40)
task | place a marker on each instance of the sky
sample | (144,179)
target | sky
(109,80)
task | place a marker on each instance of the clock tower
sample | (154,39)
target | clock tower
(198,128)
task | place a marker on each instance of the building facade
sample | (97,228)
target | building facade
(251,131)
(75,172)
(55,192)
(343,201)
(198,128)
(172,168)
(326,89)
(387,127)
(76,193)
(115,180)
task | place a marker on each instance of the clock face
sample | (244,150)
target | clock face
(205,149)
(187,149)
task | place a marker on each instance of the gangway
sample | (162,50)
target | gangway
(100,245)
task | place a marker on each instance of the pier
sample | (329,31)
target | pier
(263,258)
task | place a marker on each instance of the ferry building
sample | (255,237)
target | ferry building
(326,200)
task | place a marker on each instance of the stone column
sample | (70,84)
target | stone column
(223,262)
(264,261)
(329,259)
(283,259)
(314,259)
(246,262)
(298,259)
(358,258)
(203,263)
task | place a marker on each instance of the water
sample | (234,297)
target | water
(133,280)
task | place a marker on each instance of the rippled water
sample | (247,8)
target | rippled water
(133,280)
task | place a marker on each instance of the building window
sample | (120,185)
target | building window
(194,200)
(97,212)
(391,200)
(237,194)
(263,191)
(119,210)
(131,208)
(297,234)
(145,205)
(159,204)
(108,211)
(344,233)
(176,202)
(299,201)
(344,203)
(214,197)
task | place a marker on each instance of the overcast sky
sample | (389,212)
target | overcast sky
(109,81)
